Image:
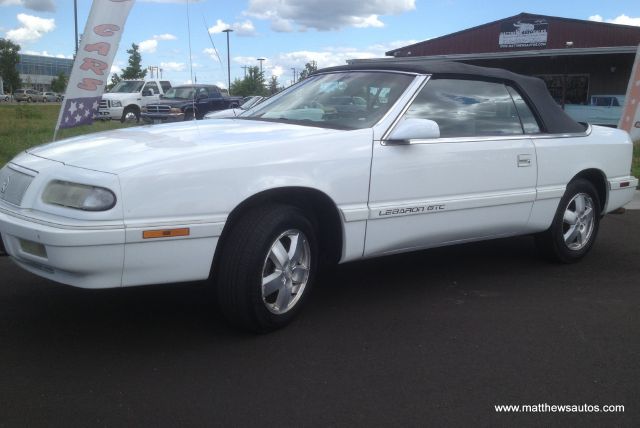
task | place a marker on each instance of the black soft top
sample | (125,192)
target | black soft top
(553,119)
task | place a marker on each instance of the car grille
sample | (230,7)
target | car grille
(104,104)
(13,185)
(157,108)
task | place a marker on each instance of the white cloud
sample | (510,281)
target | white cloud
(212,53)
(45,53)
(165,36)
(277,71)
(173,66)
(151,45)
(621,19)
(148,46)
(32,28)
(286,15)
(37,5)
(242,29)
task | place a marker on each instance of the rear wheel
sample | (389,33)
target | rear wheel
(575,225)
(267,268)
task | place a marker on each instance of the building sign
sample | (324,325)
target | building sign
(93,61)
(630,120)
(523,33)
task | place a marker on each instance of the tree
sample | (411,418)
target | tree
(9,59)
(309,68)
(134,69)
(274,87)
(114,81)
(59,83)
(252,84)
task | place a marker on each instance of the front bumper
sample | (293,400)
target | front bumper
(108,257)
(156,118)
(114,113)
(87,258)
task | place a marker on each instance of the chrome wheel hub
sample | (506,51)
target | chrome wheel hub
(578,221)
(285,272)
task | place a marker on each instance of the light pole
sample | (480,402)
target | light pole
(228,30)
(261,59)
(75,19)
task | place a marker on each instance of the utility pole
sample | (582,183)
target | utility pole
(261,59)
(294,74)
(228,30)
(244,67)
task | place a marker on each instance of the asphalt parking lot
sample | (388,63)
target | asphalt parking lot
(435,338)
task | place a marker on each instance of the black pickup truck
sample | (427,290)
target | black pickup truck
(186,102)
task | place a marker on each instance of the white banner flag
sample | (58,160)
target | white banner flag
(630,120)
(93,61)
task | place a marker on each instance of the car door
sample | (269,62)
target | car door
(478,180)
(203,101)
(150,93)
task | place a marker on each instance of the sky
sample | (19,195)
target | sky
(287,33)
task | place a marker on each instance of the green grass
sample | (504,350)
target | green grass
(635,166)
(27,125)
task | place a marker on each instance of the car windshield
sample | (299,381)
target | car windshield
(252,101)
(342,100)
(182,93)
(127,86)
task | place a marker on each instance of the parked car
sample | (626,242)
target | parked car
(5,97)
(602,110)
(247,103)
(187,102)
(50,97)
(28,95)
(125,100)
(443,153)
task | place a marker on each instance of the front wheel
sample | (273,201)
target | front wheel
(130,114)
(267,268)
(574,226)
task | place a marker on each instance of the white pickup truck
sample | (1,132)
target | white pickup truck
(124,101)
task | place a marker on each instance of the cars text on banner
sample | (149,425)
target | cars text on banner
(92,64)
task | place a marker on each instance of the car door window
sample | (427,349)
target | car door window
(152,87)
(467,108)
(202,93)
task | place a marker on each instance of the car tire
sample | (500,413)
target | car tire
(267,268)
(29,100)
(575,225)
(129,114)
(188,115)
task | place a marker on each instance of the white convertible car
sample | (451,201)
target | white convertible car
(425,156)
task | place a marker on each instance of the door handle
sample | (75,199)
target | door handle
(524,161)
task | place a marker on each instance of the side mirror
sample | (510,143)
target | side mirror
(413,129)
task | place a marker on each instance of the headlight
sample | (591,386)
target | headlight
(176,110)
(78,196)
(115,103)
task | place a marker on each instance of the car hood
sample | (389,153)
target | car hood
(124,149)
(119,95)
